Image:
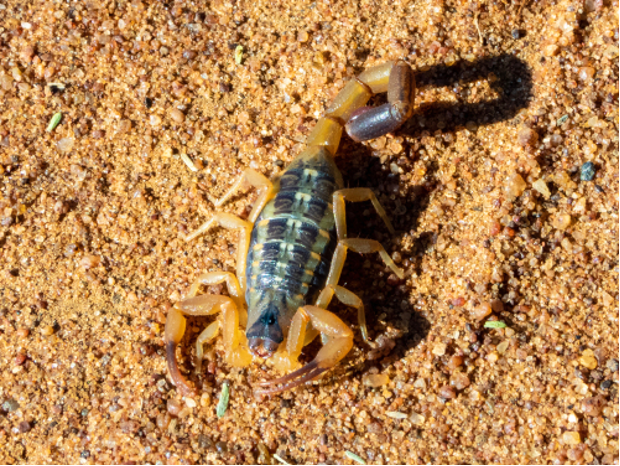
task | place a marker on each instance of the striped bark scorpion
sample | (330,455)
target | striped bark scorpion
(293,247)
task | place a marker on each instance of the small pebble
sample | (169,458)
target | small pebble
(561,221)
(483,310)
(502,347)
(592,406)
(375,380)
(447,392)
(612,365)
(514,186)
(587,171)
(155,120)
(497,305)
(303,36)
(586,73)
(439,349)
(65,145)
(177,115)
(420,383)
(492,357)
(24,427)
(89,261)
(459,381)
(174,407)
(458,302)
(20,358)
(417,419)
(455,361)
(239,54)
(47,330)
(204,441)
(550,50)
(189,54)
(10,405)
(588,359)
(541,187)
(527,136)
(593,5)
(571,438)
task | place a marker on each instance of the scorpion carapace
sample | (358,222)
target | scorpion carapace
(293,246)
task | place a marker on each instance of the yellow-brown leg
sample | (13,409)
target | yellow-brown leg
(345,297)
(361,246)
(339,341)
(256,179)
(231,222)
(355,195)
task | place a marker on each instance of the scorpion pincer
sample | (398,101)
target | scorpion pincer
(293,246)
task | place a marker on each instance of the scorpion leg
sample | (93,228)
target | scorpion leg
(361,246)
(230,221)
(256,179)
(371,122)
(355,195)
(345,297)
(339,341)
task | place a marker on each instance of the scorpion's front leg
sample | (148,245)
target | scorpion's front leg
(338,341)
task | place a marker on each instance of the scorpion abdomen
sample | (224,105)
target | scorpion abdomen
(292,244)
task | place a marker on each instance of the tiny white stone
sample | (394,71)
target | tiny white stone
(439,349)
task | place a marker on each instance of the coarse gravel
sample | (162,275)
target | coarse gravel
(497,221)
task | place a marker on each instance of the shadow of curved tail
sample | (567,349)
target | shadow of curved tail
(506,74)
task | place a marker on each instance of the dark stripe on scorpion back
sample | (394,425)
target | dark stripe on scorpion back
(320,185)
(300,205)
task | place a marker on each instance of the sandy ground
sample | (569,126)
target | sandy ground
(498,218)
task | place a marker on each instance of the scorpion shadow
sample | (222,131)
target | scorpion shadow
(508,76)
(389,304)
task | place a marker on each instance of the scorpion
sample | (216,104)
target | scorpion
(293,246)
